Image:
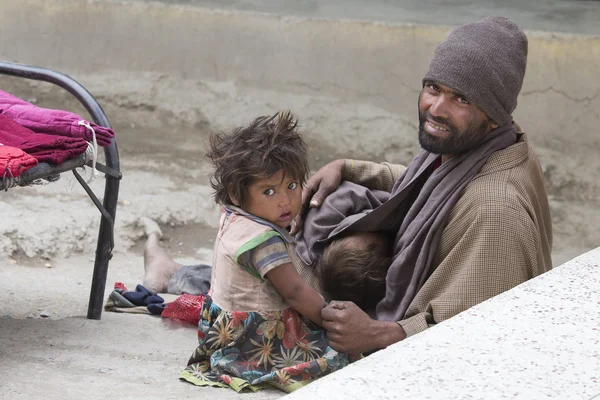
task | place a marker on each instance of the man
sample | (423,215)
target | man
(469,217)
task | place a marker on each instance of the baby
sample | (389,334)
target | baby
(354,268)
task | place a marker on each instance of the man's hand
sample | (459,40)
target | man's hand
(351,330)
(324,182)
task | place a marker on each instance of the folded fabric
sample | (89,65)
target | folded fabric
(122,300)
(142,296)
(15,161)
(53,122)
(142,301)
(45,148)
(117,303)
(157,308)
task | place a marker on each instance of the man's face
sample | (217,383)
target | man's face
(448,123)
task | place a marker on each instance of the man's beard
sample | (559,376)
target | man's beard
(455,142)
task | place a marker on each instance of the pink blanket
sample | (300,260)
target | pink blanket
(45,148)
(14,160)
(53,122)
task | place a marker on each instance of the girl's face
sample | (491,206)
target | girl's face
(276,199)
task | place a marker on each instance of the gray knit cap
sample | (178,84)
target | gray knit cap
(486,62)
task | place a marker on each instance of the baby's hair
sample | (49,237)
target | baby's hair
(355,274)
(255,152)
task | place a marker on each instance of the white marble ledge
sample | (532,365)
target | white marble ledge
(540,340)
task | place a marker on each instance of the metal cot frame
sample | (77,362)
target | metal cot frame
(111,171)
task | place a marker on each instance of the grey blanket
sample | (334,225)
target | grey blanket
(191,279)
(340,209)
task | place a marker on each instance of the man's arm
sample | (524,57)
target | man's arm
(372,175)
(351,330)
(497,251)
(486,251)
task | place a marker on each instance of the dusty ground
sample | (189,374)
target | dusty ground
(48,233)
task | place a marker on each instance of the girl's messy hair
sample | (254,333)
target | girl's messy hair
(255,152)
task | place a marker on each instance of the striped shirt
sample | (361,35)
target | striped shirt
(246,249)
(266,255)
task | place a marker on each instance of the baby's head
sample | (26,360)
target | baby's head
(261,168)
(353,268)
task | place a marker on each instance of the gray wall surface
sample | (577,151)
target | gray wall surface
(376,63)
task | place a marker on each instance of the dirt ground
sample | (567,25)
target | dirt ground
(48,233)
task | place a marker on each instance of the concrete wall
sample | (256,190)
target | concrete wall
(375,62)
(118,47)
(536,341)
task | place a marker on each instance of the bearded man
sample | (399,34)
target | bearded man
(469,216)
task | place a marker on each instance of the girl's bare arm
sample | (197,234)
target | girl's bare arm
(297,292)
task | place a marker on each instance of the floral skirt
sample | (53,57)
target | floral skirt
(248,350)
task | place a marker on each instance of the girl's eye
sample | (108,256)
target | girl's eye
(292,185)
(269,192)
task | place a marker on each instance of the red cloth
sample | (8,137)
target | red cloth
(53,122)
(45,148)
(15,160)
(186,308)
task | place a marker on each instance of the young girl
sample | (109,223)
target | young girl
(260,322)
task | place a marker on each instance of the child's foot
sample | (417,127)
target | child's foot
(158,266)
(150,227)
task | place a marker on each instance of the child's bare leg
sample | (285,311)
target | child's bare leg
(158,266)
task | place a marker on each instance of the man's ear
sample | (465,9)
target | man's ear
(493,125)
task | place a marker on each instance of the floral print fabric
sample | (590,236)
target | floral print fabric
(247,350)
